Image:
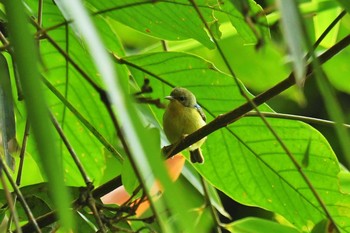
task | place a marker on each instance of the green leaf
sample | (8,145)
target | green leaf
(142,147)
(258,225)
(248,19)
(74,102)
(322,20)
(168,20)
(345,4)
(129,178)
(193,177)
(344,179)
(244,160)
(338,71)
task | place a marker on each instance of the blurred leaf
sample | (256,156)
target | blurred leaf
(294,36)
(324,226)
(345,4)
(194,178)
(7,117)
(37,206)
(7,113)
(322,20)
(248,19)
(338,71)
(129,179)
(86,222)
(258,225)
(26,59)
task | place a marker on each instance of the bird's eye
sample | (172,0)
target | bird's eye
(182,98)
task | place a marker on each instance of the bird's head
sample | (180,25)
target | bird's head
(184,96)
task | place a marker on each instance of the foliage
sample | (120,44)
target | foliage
(88,112)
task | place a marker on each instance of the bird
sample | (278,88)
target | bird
(184,116)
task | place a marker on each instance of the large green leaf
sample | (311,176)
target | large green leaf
(70,84)
(257,225)
(170,20)
(178,20)
(244,160)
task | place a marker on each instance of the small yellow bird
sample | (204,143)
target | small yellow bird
(184,116)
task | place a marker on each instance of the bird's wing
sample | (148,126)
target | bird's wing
(200,111)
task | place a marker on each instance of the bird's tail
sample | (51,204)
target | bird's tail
(196,156)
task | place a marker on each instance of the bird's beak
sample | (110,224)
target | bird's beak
(169,97)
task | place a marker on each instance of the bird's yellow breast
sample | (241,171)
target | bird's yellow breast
(179,121)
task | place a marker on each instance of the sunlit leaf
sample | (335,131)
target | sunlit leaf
(321,21)
(180,22)
(258,225)
(244,160)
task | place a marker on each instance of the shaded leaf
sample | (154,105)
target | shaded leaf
(248,19)
(345,4)
(7,117)
(258,225)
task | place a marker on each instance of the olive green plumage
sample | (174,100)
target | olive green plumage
(183,116)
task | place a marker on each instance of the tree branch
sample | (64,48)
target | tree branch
(232,116)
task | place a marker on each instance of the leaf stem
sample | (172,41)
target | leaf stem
(22,153)
(310,120)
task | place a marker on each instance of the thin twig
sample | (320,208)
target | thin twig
(10,51)
(69,59)
(40,12)
(328,94)
(128,152)
(325,32)
(83,120)
(70,150)
(3,40)
(164,45)
(22,152)
(88,182)
(310,120)
(238,84)
(20,197)
(10,203)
